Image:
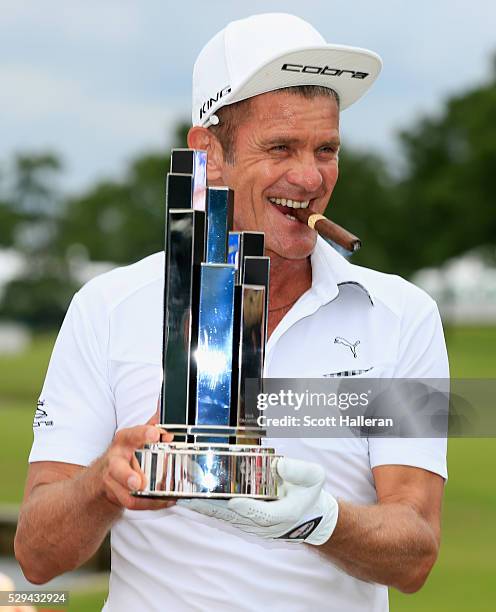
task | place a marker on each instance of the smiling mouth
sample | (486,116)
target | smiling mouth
(290,203)
(285,203)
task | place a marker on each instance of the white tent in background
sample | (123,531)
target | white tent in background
(464,288)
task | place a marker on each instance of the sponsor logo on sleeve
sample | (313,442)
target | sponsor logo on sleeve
(41,418)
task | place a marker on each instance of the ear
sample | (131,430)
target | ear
(205,140)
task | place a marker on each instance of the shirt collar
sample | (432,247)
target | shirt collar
(330,270)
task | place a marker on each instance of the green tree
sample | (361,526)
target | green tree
(29,217)
(122,221)
(33,186)
(9,220)
(441,207)
(27,197)
(38,300)
(119,221)
(364,202)
(449,189)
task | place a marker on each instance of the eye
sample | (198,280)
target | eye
(328,151)
(280,147)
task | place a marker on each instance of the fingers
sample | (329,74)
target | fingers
(216,508)
(265,513)
(138,503)
(155,420)
(254,509)
(136,437)
(126,500)
(142,478)
(288,509)
(122,478)
(121,471)
(301,473)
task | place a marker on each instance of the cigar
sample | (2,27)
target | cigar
(328,229)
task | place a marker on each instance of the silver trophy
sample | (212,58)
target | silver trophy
(214,333)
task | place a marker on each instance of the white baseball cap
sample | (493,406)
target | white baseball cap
(267,52)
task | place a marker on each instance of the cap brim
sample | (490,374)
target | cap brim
(349,71)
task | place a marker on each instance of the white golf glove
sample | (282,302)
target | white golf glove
(304,513)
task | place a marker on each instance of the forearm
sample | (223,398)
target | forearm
(63,524)
(386,543)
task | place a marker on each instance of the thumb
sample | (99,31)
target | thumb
(301,473)
(153,420)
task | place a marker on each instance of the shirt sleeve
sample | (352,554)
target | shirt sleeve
(421,354)
(75,420)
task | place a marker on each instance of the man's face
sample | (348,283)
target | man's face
(286,149)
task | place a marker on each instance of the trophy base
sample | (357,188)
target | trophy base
(208,470)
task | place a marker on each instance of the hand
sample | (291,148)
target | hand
(304,513)
(7,584)
(121,473)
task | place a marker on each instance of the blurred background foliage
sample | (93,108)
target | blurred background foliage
(436,204)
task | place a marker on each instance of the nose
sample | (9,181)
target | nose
(306,175)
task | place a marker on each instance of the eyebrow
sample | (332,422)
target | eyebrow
(284,140)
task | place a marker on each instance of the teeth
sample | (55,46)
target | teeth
(290,203)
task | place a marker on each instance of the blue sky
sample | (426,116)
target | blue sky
(101,81)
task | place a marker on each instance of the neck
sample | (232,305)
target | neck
(289,279)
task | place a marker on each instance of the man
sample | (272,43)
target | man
(377,502)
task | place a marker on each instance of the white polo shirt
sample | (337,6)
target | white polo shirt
(105,374)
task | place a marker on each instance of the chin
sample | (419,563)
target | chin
(292,250)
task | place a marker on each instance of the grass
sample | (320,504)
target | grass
(472,351)
(464,576)
(22,375)
(21,381)
(17,436)
(87,601)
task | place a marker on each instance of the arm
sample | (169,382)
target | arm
(63,519)
(68,509)
(396,541)
(393,542)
